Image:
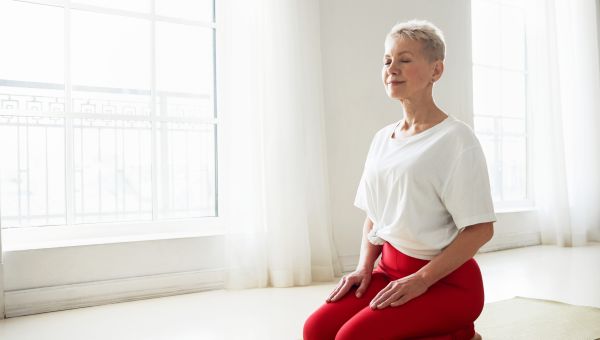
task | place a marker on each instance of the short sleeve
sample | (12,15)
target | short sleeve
(361,200)
(466,194)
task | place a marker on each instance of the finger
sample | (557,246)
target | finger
(381,296)
(392,298)
(339,286)
(381,292)
(343,290)
(363,286)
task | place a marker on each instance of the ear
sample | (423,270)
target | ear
(438,70)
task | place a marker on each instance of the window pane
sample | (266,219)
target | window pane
(32,41)
(184,59)
(109,102)
(486,34)
(513,126)
(112,171)
(184,105)
(186,170)
(488,144)
(110,51)
(186,9)
(142,6)
(111,70)
(486,90)
(499,93)
(484,125)
(513,38)
(32,170)
(514,173)
(31,99)
(513,94)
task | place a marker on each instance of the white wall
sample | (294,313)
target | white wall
(1,279)
(356,105)
(65,277)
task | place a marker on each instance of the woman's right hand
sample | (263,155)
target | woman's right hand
(360,277)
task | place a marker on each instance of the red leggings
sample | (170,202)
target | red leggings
(446,310)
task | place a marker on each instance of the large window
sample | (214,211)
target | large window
(107,111)
(500,97)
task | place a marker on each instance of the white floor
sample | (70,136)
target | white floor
(570,275)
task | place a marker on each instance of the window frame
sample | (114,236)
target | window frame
(527,204)
(48,236)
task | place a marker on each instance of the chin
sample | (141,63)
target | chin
(397,96)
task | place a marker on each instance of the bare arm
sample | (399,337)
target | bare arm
(464,246)
(368,251)
(362,275)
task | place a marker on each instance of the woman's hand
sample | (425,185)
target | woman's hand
(399,292)
(360,277)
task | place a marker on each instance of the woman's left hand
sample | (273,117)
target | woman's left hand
(399,292)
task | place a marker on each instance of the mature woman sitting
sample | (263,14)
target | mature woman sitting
(426,193)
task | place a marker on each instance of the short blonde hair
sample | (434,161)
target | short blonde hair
(434,47)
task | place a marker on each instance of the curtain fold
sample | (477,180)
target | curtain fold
(275,194)
(565,85)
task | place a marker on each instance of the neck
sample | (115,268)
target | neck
(421,111)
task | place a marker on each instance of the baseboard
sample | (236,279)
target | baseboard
(49,299)
(512,240)
(2,313)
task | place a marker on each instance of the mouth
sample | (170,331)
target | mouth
(396,83)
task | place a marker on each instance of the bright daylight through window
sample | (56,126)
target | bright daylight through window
(107,111)
(500,97)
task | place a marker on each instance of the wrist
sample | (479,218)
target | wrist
(426,277)
(364,267)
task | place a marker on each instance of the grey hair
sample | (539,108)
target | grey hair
(434,47)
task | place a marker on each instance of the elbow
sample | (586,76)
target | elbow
(488,231)
(484,231)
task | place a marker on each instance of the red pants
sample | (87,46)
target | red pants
(446,310)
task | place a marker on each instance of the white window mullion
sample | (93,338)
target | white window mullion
(99,172)
(28,169)
(46,177)
(118,173)
(69,133)
(139,142)
(153,121)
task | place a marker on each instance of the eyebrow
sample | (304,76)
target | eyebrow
(400,53)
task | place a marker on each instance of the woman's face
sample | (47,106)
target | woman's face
(406,72)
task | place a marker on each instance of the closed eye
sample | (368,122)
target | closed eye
(387,62)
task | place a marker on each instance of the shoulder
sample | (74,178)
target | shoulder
(386,130)
(382,134)
(459,135)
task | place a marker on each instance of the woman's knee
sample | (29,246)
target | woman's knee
(319,325)
(355,329)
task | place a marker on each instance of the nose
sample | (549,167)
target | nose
(393,68)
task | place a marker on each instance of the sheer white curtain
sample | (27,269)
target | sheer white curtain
(1,277)
(565,86)
(275,186)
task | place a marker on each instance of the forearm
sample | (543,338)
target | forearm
(464,247)
(368,251)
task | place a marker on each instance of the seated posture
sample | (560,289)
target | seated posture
(426,193)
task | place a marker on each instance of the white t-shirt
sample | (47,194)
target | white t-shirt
(421,190)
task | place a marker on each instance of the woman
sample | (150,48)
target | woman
(426,193)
